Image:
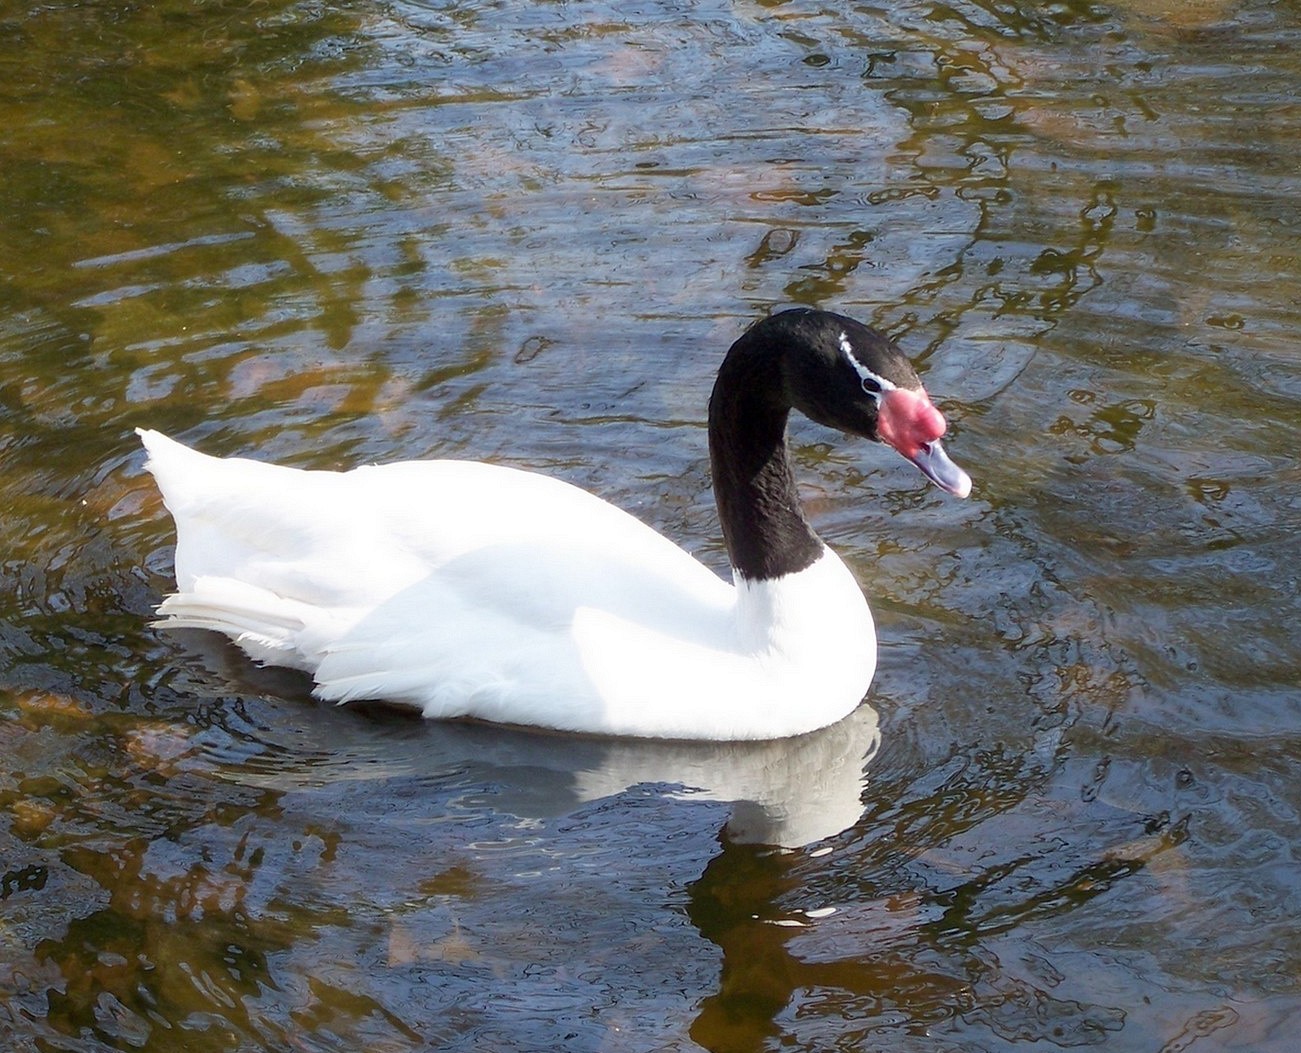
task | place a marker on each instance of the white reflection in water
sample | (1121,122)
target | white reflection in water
(787,793)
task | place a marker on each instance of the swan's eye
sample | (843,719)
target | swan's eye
(872,383)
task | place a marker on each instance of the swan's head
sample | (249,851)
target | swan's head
(855,379)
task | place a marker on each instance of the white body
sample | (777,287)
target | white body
(470,590)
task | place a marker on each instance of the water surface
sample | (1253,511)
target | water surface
(526,233)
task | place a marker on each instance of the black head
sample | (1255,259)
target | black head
(845,375)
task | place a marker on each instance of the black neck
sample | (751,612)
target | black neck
(764,527)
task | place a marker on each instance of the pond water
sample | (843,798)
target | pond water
(526,233)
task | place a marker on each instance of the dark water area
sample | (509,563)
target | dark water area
(526,233)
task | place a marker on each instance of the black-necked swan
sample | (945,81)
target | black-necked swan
(465,589)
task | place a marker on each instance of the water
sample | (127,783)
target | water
(526,233)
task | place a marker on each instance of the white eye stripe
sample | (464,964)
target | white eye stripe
(873,383)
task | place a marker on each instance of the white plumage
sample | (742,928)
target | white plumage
(468,589)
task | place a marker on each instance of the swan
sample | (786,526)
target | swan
(471,590)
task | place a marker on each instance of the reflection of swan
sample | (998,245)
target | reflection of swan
(787,793)
(466,589)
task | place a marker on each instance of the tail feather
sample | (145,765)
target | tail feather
(262,623)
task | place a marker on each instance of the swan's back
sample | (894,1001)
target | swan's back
(308,534)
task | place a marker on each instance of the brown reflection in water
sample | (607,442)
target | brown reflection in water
(734,905)
(914,933)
